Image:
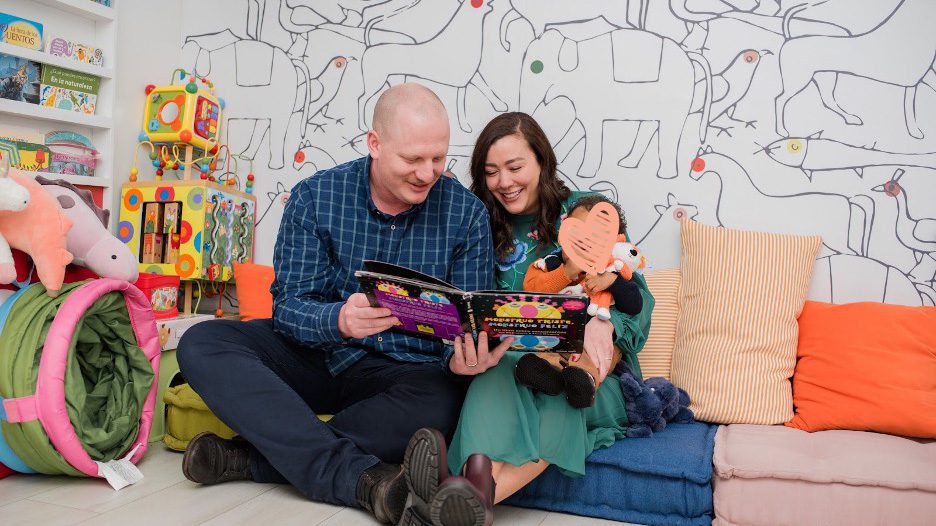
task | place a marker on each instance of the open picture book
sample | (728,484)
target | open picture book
(430,307)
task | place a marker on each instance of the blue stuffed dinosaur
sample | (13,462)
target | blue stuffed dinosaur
(651,404)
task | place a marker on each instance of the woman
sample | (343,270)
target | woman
(513,172)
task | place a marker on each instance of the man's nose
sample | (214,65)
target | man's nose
(424,172)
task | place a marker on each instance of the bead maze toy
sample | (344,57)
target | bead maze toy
(193,228)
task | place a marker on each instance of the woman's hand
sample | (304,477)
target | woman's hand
(599,345)
(599,282)
(470,360)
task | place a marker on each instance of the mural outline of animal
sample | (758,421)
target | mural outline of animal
(383,62)
(820,59)
(662,237)
(239,65)
(553,68)
(918,235)
(846,229)
(813,153)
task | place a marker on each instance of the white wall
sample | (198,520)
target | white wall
(625,107)
(147,52)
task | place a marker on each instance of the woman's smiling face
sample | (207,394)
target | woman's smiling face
(513,174)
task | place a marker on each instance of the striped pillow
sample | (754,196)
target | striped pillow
(657,354)
(736,333)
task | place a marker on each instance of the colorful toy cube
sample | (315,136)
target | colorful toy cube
(174,115)
(199,228)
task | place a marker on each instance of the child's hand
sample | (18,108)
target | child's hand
(600,282)
(572,271)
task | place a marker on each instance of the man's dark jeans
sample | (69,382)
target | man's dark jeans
(268,390)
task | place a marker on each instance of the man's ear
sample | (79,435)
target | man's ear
(373,144)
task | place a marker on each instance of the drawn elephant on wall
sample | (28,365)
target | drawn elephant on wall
(257,81)
(624,75)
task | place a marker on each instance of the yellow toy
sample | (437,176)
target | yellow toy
(183,114)
(193,229)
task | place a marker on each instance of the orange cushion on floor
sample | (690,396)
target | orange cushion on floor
(866,367)
(253,290)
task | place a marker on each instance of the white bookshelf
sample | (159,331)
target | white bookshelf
(99,182)
(62,62)
(85,22)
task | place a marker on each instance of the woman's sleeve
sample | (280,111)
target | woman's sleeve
(630,332)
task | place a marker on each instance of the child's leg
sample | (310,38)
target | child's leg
(600,305)
(540,371)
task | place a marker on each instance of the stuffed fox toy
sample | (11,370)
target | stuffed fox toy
(574,374)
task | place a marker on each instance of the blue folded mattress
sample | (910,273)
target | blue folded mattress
(662,480)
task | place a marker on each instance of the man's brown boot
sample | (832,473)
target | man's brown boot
(381,490)
(210,459)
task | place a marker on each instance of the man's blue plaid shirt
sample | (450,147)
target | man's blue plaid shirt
(331,225)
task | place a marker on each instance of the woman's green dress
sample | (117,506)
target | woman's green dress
(509,422)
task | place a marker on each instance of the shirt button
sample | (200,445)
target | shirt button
(380,338)
(392,227)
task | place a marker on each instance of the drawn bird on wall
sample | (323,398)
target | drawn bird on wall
(324,87)
(729,87)
(919,235)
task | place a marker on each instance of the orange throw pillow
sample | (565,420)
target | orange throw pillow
(866,367)
(253,290)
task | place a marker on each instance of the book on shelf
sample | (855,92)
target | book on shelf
(20,78)
(61,47)
(429,307)
(67,89)
(20,32)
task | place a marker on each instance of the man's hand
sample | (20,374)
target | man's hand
(599,282)
(599,345)
(470,360)
(357,319)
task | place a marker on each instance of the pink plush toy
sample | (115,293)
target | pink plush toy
(92,245)
(13,198)
(39,230)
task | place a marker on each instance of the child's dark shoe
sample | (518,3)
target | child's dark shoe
(538,374)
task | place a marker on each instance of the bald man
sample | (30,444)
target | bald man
(326,350)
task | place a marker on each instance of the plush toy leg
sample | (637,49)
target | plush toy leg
(580,378)
(600,305)
(7,268)
(540,372)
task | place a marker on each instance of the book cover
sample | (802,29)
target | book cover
(68,90)
(61,47)
(19,79)
(20,32)
(429,307)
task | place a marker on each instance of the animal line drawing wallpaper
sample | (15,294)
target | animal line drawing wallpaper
(805,116)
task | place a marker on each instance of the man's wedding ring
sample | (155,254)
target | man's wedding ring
(471,364)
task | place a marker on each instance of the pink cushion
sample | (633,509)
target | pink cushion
(827,477)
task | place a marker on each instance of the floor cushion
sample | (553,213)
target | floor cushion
(826,477)
(664,479)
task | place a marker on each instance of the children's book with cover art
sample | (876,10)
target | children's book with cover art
(430,307)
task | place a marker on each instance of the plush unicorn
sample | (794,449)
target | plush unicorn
(92,245)
(13,198)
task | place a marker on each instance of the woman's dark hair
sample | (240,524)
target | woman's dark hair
(591,200)
(552,191)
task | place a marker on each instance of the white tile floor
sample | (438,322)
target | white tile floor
(165,498)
